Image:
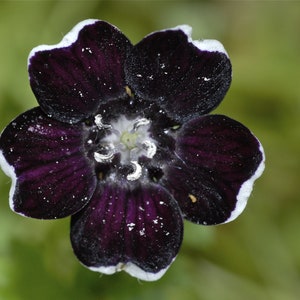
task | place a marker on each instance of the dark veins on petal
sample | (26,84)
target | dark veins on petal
(71,82)
(184,80)
(54,178)
(122,224)
(216,155)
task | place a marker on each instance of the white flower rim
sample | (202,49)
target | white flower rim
(246,189)
(210,45)
(69,39)
(132,270)
(10,172)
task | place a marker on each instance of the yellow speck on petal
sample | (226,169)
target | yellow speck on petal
(193,198)
(100,175)
(128,91)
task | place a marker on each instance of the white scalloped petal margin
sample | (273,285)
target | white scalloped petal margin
(132,270)
(209,45)
(246,189)
(9,171)
(67,40)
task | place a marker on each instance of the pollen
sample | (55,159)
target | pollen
(175,127)
(193,198)
(128,91)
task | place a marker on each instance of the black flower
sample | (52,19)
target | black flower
(121,141)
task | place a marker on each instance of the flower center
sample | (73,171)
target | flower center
(130,139)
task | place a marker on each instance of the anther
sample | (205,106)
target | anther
(140,122)
(150,148)
(103,158)
(137,172)
(99,124)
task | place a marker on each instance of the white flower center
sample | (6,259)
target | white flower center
(130,138)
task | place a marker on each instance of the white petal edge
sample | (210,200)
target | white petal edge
(209,45)
(246,189)
(132,270)
(67,40)
(9,171)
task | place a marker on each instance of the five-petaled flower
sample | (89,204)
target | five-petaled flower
(122,142)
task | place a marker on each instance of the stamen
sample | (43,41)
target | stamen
(103,158)
(140,122)
(99,124)
(130,139)
(150,148)
(136,173)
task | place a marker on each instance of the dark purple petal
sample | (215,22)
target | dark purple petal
(186,77)
(72,78)
(219,162)
(137,229)
(203,197)
(45,158)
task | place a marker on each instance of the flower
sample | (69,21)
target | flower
(122,142)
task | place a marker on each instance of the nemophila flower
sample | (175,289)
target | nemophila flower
(122,142)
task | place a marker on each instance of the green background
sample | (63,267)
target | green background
(255,257)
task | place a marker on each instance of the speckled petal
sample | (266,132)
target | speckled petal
(71,79)
(219,160)
(51,177)
(136,229)
(186,77)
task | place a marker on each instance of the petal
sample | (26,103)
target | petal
(135,229)
(70,79)
(219,161)
(204,198)
(51,177)
(186,77)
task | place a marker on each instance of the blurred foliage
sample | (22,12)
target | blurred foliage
(254,257)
